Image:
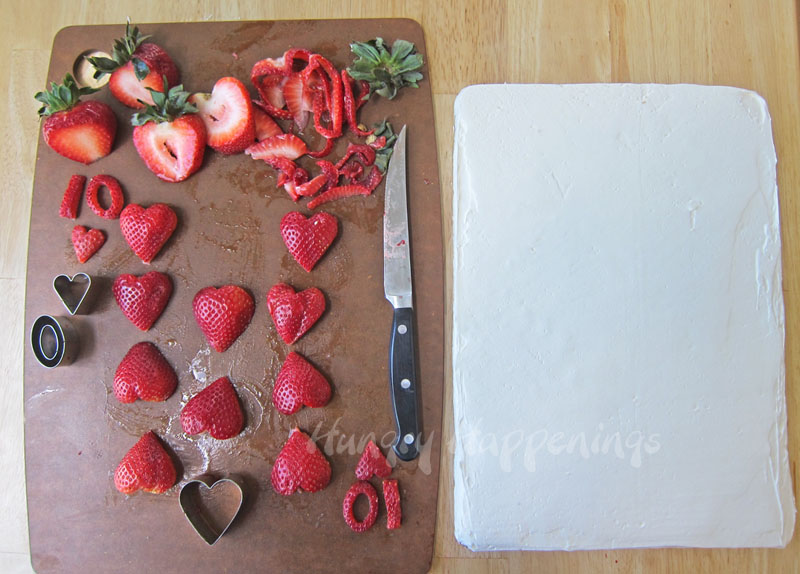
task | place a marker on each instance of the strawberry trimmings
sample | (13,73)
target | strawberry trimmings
(338,193)
(72,197)
(114,189)
(359,488)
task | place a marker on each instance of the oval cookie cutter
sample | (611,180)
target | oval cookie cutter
(54,341)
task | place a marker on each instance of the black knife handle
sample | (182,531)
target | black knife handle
(403,384)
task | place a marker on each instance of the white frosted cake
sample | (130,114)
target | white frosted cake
(618,336)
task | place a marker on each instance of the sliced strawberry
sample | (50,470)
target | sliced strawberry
(215,409)
(294,313)
(265,126)
(337,193)
(300,465)
(330,171)
(72,197)
(114,190)
(311,187)
(144,374)
(146,466)
(86,243)
(299,384)
(391,496)
(298,99)
(142,299)
(172,150)
(359,488)
(332,103)
(364,153)
(372,462)
(227,113)
(147,230)
(307,239)
(350,106)
(223,314)
(288,146)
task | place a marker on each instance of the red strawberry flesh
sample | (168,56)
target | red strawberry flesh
(307,239)
(300,465)
(299,383)
(114,190)
(391,495)
(146,466)
(294,313)
(223,314)
(359,488)
(72,197)
(227,113)
(215,409)
(372,462)
(144,374)
(142,299)
(147,230)
(86,243)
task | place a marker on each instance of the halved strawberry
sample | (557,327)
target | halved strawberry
(266,127)
(298,99)
(227,113)
(81,131)
(136,66)
(288,146)
(169,136)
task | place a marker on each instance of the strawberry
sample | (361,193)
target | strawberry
(311,187)
(72,197)
(298,384)
(86,243)
(215,409)
(298,99)
(146,466)
(308,238)
(288,146)
(227,113)
(359,488)
(81,131)
(266,127)
(147,230)
(391,496)
(300,465)
(223,314)
(144,374)
(338,193)
(169,136)
(294,313)
(142,299)
(135,66)
(114,190)
(372,462)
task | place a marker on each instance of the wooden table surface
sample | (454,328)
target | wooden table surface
(746,43)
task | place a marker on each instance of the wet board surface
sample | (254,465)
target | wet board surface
(76,432)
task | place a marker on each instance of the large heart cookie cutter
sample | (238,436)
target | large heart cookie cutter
(72,290)
(210,525)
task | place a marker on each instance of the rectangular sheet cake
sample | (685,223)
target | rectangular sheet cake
(618,337)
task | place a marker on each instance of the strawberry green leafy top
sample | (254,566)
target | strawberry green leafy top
(61,97)
(386,71)
(167,106)
(122,53)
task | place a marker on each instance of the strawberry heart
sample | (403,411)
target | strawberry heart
(144,374)
(294,313)
(298,384)
(223,314)
(215,409)
(147,230)
(372,462)
(142,299)
(146,466)
(300,465)
(308,238)
(86,243)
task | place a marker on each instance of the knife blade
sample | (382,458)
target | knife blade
(397,288)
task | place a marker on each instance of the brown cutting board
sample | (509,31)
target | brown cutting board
(75,430)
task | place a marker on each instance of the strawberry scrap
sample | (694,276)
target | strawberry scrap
(299,384)
(307,239)
(215,409)
(359,488)
(86,243)
(147,230)
(300,465)
(142,299)
(72,197)
(114,190)
(391,496)
(294,313)
(372,462)
(265,126)
(351,105)
(223,314)
(144,374)
(146,466)
(338,193)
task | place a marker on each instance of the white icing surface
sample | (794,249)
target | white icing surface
(618,363)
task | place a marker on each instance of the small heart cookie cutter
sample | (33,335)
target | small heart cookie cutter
(69,290)
(197,515)
(54,341)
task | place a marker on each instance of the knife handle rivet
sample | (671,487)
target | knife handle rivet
(405,383)
(409,438)
(402,329)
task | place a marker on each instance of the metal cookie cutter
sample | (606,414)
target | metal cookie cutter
(72,290)
(210,523)
(54,341)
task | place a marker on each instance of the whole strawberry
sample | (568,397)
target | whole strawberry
(169,136)
(81,131)
(144,374)
(223,314)
(147,230)
(146,466)
(142,299)
(298,384)
(300,465)
(215,409)
(135,66)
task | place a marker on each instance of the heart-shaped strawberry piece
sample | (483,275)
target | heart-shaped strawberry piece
(146,466)
(372,462)
(215,409)
(300,465)
(142,299)
(308,238)
(147,230)
(223,314)
(294,313)
(86,243)
(298,384)
(144,374)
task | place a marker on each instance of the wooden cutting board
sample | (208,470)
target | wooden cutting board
(75,430)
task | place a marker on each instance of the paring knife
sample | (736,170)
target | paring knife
(397,286)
